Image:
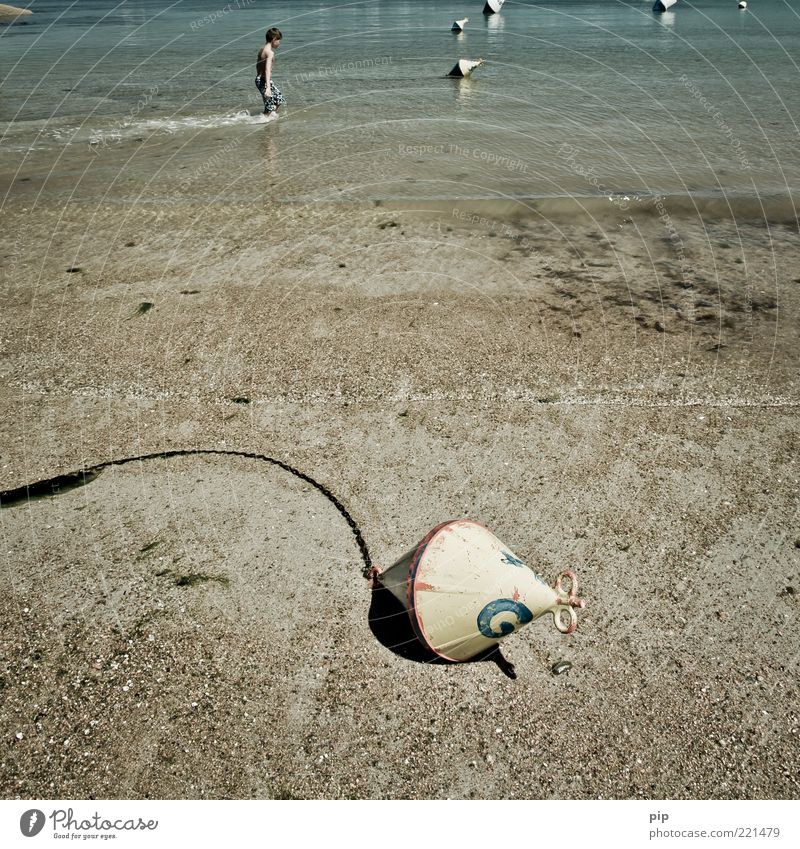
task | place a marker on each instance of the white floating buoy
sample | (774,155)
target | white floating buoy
(464,67)
(742,4)
(493,6)
(458,26)
(13,11)
(663,5)
(464,591)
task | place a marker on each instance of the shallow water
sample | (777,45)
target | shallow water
(576,99)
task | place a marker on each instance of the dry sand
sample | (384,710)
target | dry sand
(603,397)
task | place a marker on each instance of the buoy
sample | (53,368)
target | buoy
(458,26)
(742,4)
(13,11)
(663,5)
(465,590)
(493,6)
(464,67)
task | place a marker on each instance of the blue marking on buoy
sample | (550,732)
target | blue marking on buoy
(509,558)
(540,580)
(502,605)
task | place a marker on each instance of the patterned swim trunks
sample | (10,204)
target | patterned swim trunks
(275,98)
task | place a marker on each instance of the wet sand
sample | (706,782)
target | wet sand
(601,393)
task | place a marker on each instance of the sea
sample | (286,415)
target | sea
(602,100)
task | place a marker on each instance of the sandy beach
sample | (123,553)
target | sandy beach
(602,393)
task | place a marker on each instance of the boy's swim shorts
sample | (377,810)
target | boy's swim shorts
(275,98)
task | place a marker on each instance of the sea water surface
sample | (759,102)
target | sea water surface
(588,99)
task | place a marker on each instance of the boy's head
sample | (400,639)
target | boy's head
(274,36)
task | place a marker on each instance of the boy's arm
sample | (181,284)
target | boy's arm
(268,71)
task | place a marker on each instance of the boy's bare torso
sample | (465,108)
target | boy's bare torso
(266,54)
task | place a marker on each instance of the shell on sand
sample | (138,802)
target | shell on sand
(12,11)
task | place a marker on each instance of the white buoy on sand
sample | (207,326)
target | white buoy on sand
(465,591)
(464,67)
(458,26)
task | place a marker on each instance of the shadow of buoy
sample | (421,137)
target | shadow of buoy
(391,627)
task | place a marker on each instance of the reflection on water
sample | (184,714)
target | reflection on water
(464,89)
(269,155)
(495,23)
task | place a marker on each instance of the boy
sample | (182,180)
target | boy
(266,57)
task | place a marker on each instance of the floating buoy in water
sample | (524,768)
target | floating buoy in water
(742,4)
(493,6)
(465,590)
(464,67)
(663,5)
(458,26)
(13,11)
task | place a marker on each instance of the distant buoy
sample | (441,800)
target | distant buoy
(742,4)
(13,11)
(464,67)
(493,6)
(663,5)
(458,26)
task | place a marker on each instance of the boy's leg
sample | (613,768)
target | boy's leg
(276,99)
(263,92)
